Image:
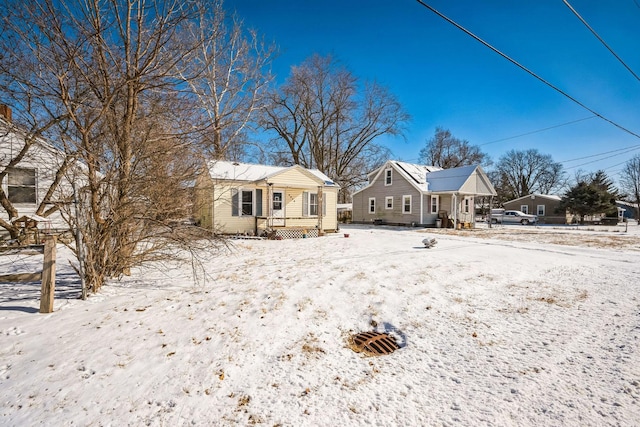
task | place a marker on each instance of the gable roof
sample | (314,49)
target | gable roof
(412,173)
(433,179)
(534,195)
(248,172)
(465,179)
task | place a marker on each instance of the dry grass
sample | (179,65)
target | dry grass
(567,236)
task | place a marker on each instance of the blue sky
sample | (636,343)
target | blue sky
(443,77)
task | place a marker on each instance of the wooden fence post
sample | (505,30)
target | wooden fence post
(48,275)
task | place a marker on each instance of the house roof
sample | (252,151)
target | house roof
(534,195)
(250,172)
(464,179)
(413,173)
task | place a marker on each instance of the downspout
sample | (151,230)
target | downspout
(421,208)
(320,210)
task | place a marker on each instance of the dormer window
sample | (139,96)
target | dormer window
(388,176)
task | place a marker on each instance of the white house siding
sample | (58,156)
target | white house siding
(223,220)
(293,178)
(45,161)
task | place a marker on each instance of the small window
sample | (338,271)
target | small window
(406,204)
(372,205)
(540,210)
(435,204)
(524,209)
(310,204)
(21,185)
(467,204)
(247,203)
(313,204)
(388,202)
(388,176)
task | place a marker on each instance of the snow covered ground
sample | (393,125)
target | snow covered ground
(508,326)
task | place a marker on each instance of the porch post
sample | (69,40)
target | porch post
(320,210)
(270,205)
(455,211)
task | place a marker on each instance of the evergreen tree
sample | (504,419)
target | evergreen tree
(590,197)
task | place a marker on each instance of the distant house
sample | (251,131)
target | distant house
(26,182)
(250,199)
(626,210)
(425,196)
(545,206)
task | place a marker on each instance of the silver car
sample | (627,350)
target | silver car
(513,217)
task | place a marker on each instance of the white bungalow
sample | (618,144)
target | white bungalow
(251,199)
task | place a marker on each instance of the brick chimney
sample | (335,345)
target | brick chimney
(5,111)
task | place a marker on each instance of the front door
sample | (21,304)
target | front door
(277,208)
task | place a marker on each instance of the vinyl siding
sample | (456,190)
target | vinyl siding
(46,163)
(215,212)
(399,187)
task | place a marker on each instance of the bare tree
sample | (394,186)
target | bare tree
(630,181)
(326,120)
(229,73)
(446,151)
(105,72)
(519,173)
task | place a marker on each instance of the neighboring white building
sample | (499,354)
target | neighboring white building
(26,183)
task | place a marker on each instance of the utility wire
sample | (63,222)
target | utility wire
(624,151)
(575,12)
(538,130)
(604,158)
(522,67)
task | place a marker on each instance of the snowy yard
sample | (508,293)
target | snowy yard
(508,326)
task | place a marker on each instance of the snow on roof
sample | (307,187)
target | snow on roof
(534,195)
(449,179)
(253,172)
(414,173)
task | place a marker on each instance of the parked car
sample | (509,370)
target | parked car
(512,217)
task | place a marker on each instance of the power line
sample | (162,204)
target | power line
(522,67)
(539,130)
(624,151)
(575,12)
(604,158)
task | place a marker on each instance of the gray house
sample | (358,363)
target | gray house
(426,196)
(544,206)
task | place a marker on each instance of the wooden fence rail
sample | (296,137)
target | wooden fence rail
(47,275)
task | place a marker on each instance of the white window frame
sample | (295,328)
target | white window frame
(388,177)
(372,205)
(388,202)
(435,208)
(404,203)
(539,209)
(313,205)
(524,209)
(467,205)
